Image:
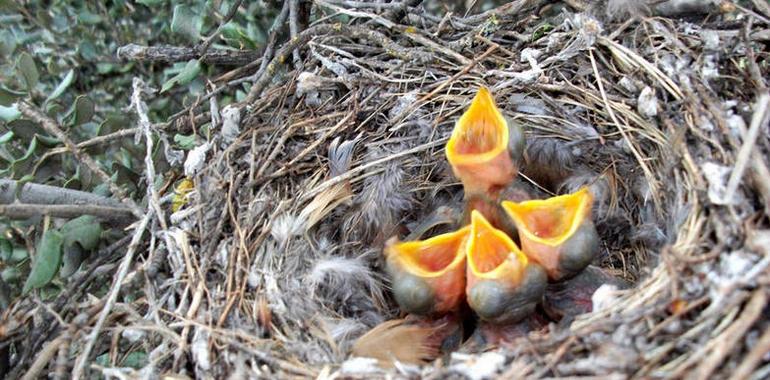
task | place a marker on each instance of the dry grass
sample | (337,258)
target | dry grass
(274,268)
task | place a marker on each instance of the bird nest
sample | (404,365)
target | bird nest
(274,267)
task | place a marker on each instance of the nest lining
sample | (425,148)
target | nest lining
(354,143)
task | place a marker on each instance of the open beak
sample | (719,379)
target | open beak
(428,276)
(484,147)
(557,232)
(503,284)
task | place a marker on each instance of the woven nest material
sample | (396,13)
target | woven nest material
(275,266)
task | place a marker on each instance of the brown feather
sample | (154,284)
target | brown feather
(400,340)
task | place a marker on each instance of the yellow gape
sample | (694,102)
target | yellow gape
(478,149)
(557,232)
(503,284)
(429,275)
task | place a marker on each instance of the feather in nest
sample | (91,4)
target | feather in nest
(410,341)
(380,204)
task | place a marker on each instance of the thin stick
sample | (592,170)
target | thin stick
(52,127)
(44,357)
(758,119)
(85,144)
(204,47)
(125,265)
(263,77)
(728,339)
(293,31)
(754,357)
(637,155)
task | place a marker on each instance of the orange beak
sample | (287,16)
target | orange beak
(557,232)
(428,276)
(503,284)
(478,149)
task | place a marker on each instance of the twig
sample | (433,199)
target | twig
(50,195)
(634,150)
(140,108)
(25,211)
(376,18)
(44,357)
(728,339)
(751,59)
(443,84)
(754,357)
(85,144)
(80,363)
(293,31)
(204,46)
(173,54)
(758,119)
(52,127)
(346,30)
(272,38)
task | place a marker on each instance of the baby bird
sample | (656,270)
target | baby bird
(485,151)
(428,276)
(503,285)
(557,232)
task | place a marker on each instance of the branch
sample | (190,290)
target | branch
(50,195)
(52,127)
(293,30)
(21,211)
(172,54)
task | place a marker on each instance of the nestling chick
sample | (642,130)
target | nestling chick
(557,232)
(504,286)
(485,150)
(489,335)
(574,296)
(428,276)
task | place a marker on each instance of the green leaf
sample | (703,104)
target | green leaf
(47,260)
(136,360)
(84,230)
(7,43)
(150,3)
(26,66)
(10,274)
(62,86)
(186,23)
(31,148)
(18,255)
(48,141)
(87,50)
(89,18)
(6,249)
(7,136)
(71,260)
(112,123)
(83,110)
(188,73)
(185,142)
(9,114)
(8,96)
